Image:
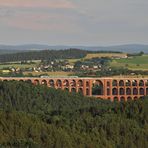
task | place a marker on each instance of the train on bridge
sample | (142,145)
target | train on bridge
(120,89)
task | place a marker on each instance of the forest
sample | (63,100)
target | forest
(38,116)
(44,55)
(48,55)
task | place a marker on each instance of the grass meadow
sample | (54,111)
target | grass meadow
(58,73)
(133,63)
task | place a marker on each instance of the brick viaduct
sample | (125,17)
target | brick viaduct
(105,88)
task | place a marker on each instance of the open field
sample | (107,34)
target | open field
(19,62)
(99,55)
(72,61)
(58,73)
(16,65)
(135,63)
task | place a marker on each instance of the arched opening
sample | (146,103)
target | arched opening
(129,98)
(135,91)
(80,90)
(36,82)
(146,83)
(147,91)
(66,83)
(114,83)
(97,88)
(141,91)
(73,83)
(108,84)
(44,82)
(59,83)
(108,91)
(80,83)
(21,80)
(121,83)
(87,92)
(114,91)
(135,98)
(128,91)
(134,83)
(13,80)
(109,98)
(128,83)
(141,83)
(29,81)
(115,99)
(51,83)
(73,90)
(122,91)
(142,97)
(87,84)
(66,89)
(122,99)
(5,80)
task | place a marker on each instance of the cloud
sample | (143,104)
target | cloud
(74,21)
(36,3)
(41,21)
(5,12)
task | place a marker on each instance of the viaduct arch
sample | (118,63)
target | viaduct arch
(114,89)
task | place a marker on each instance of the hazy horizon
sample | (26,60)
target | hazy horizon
(46,44)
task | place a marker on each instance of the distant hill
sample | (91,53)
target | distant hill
(44,55)
(25,47)
(129,48)
(11,51)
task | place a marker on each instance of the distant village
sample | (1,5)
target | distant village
(94,64)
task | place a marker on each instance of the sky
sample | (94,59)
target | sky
(74,22)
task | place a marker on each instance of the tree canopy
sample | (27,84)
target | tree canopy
(37,116)
(44,55)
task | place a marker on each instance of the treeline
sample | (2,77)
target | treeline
(6,51)
(106,51)
(37,116)
(135,54)
(44,55)
(48,55)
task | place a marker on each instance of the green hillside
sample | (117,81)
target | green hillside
(133,63)
(37,116)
